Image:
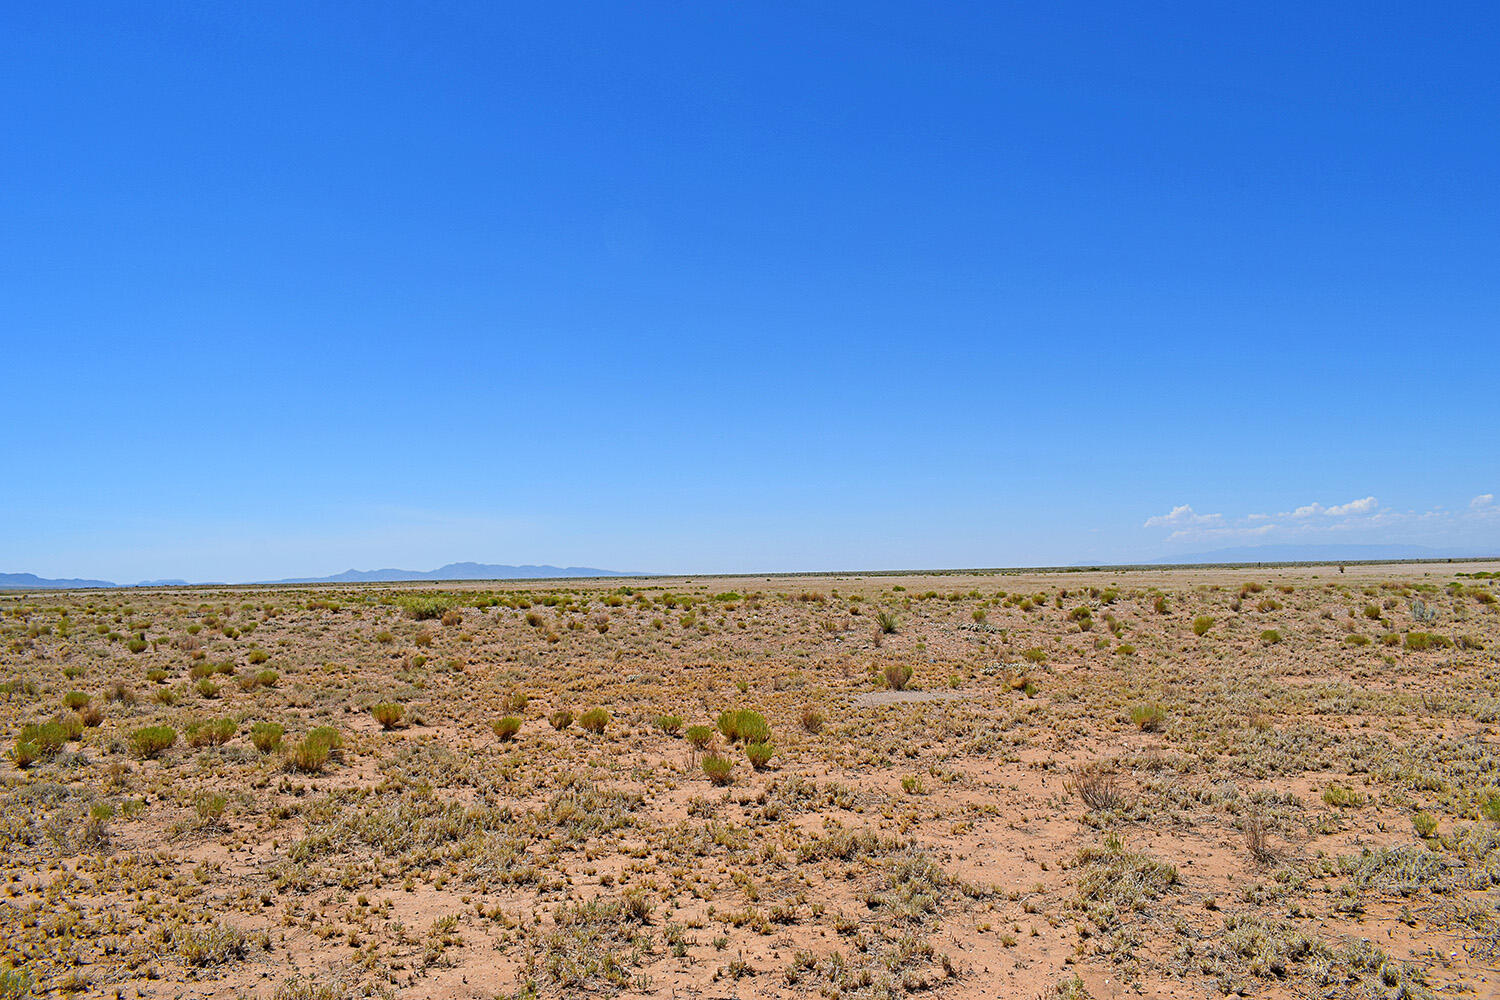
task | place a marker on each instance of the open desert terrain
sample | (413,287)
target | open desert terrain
(1277,782)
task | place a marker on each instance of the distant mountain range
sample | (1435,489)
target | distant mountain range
(1311,553)
(29,581)
(457,571)
(452,571)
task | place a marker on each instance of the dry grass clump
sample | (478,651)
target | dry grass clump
(388,714)
(595,720)
(506,728)
(1096,785)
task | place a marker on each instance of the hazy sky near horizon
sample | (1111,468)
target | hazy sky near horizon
(290,288)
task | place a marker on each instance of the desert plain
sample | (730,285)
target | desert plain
(1277,782)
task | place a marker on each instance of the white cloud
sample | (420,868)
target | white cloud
(1183,516)
(1482,501)
(1366,505)
(1363,506)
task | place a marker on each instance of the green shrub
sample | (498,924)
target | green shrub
(267,736)
(1427,640)
(669,724)
(1425,824)
(1343,798)
(561,719)
(1357,641)
(214,732)
(422,608)
(136,645)
(150,742)
(208,688)
(744,726)
(75,700)
(388,714)
(595,720)
(267,678)
(759,754)
(886,622)
(310,755)
(506,728)
(1270,637)
(700,737)
(1149,718)
(1202,624)
(720,770)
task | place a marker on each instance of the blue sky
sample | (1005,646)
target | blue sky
(289,288)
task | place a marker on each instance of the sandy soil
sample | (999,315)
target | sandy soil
(979,785)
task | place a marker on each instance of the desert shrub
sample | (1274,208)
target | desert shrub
(1343,798)
(210,807)
(1096,785)
(561,719)
(720,770)
(266,736)
(1357,641)
(506,728)
(1035,654)
(1159,605)
(156,675)
(1425,824)
(669,724)
(213,733)
(150,742)
(744,726)
(137,645)
(452,617)
(811,720)
(700,737)
(1427,640)
(388,714)
(595,720)
(886,622)
(75,700)
(1270,637)
(208,688)
(897,676)
(759,754)
(267,678)
(309,755)
(1149,718)
(1470,642)
(514,702)
(385,637)
(1121,879)
(212,945)
(39,742)
(1202,624)
(257,657)
(420,608)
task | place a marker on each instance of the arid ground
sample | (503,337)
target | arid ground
(1272,782)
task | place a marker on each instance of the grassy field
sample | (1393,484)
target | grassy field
(1188,783)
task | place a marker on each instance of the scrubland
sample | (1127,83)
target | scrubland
(1269,782)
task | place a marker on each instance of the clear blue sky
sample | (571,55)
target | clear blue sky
(289,288)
